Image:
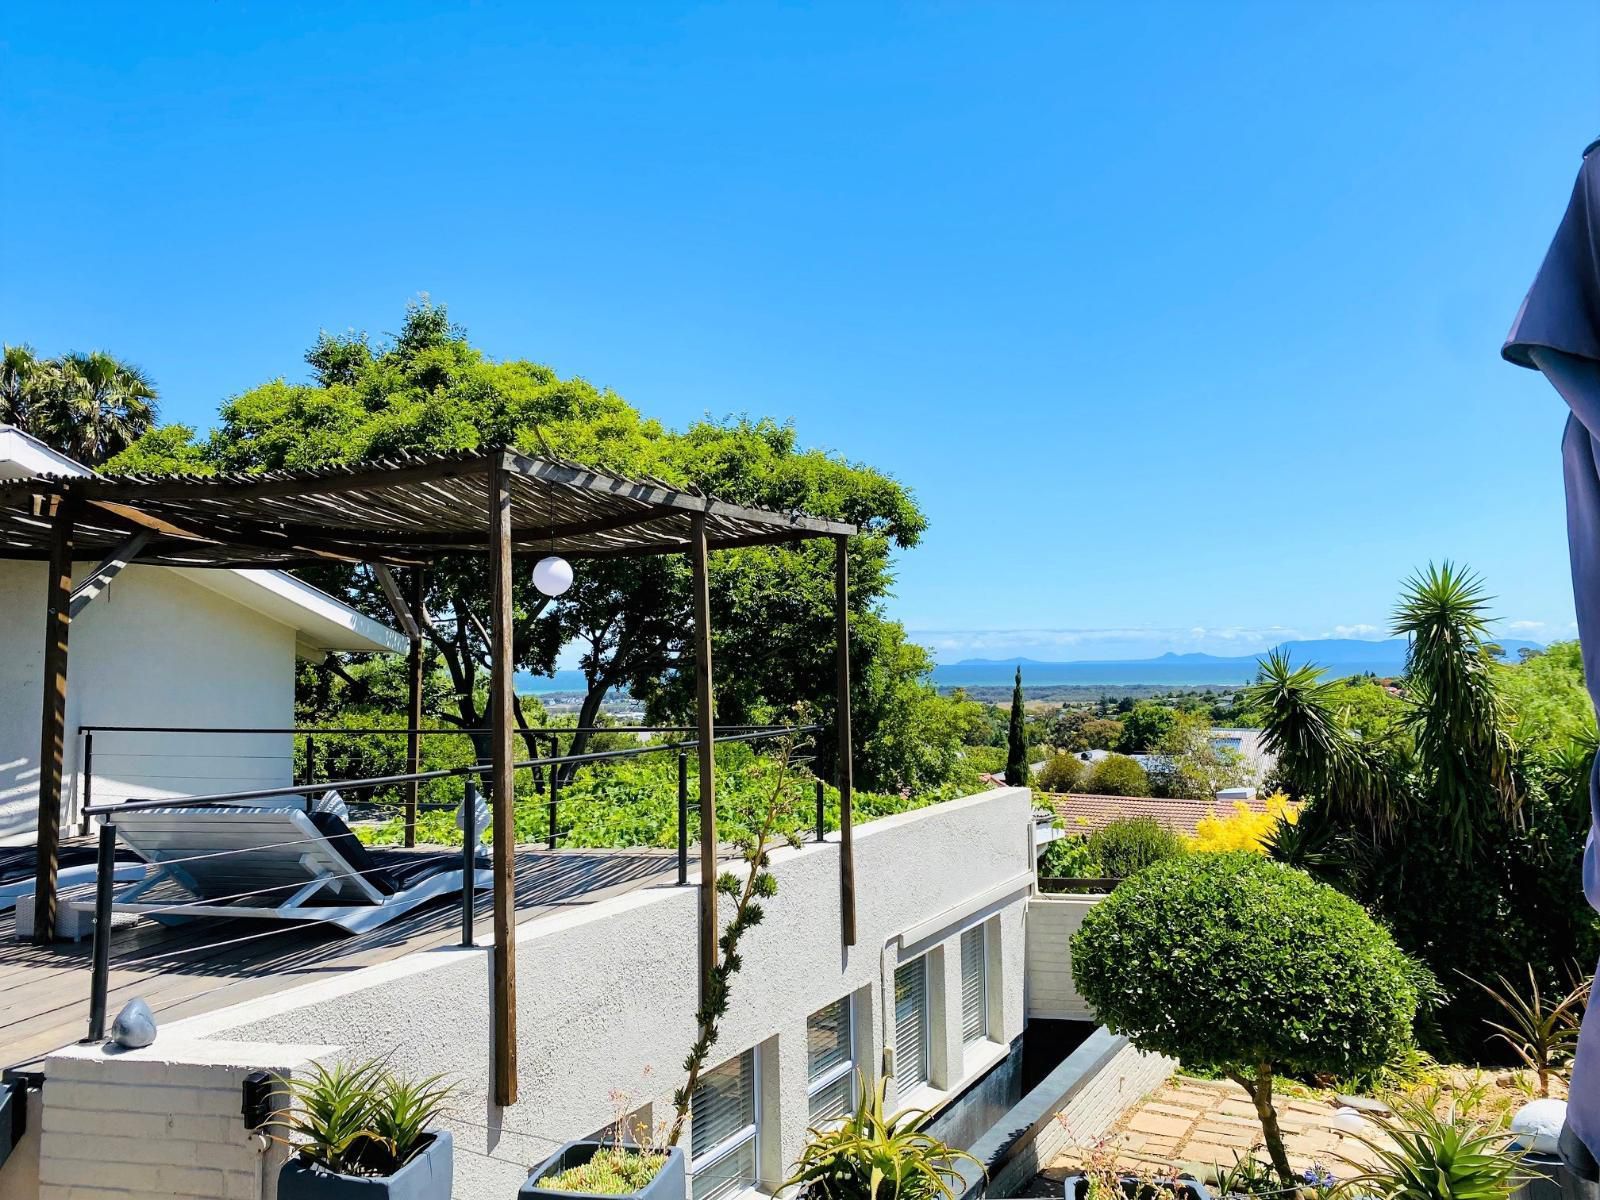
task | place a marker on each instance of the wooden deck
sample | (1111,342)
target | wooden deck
(207,965)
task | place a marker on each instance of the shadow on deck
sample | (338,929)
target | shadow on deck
(203,966)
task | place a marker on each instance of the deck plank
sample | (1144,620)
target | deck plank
(44,990)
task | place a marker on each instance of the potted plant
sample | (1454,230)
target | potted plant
(631,1162)
(1100,1177)
(361,1132)
(873,1154)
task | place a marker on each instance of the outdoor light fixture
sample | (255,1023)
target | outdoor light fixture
(552,575)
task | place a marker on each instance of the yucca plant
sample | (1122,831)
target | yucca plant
(1542,1033)
(358,1118)
(1429,1156)
(875,1155)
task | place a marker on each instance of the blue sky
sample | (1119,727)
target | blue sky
(1182,320)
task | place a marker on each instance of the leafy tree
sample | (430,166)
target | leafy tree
(1547,704)
(1017,772)
(1279,975)
(1080,729)
(90,406)
(1190,764)
(430,390)
(1061,773)
(1144,727)
(1117,775)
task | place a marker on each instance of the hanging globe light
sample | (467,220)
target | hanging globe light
(552,575)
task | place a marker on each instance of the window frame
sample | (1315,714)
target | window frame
(903,1085)
(833,1074)
(750,1133)
(982,930)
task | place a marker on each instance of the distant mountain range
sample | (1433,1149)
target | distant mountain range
(1341,656)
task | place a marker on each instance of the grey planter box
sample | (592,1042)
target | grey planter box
(427,1176)
(670,1183)
(1187,1188)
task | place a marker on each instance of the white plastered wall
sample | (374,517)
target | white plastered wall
(606,992)
(154,649)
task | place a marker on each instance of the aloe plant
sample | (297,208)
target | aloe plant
(359,1118)
(875,1155)
(1428,1156)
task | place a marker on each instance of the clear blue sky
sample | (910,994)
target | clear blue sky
(1182,320)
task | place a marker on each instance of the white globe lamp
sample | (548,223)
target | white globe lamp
(552,575)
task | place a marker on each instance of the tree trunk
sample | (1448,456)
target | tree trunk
(1260,1092)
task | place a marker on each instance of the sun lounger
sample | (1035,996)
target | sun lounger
(279,863)
(75,865)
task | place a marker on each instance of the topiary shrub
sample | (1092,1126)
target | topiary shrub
(1132,844)
(1236,964)
(1117,775)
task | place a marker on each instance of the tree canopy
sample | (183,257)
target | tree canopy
(428,389)
(90,406)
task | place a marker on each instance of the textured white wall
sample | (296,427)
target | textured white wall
(153,649)
(1052,920)
(606,992)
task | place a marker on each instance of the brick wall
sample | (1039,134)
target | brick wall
(1052,920)
(163,1122)
(1109,1090)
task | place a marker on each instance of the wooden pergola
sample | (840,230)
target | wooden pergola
(405,513)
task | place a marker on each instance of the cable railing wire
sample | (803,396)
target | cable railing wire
(470,774)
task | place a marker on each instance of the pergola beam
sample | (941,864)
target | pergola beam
(110,567)
(845,770)
(501,785)
(706,749)
(53,715)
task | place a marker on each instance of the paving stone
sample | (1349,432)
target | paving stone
(1145,1121)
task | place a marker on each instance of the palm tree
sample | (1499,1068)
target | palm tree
(20,369)
(92,406)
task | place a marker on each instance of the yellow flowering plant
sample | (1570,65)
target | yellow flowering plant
(1245,828)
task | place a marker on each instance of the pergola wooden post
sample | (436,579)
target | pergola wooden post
(845,770)
(705,734)
(502,793)
(414,702)
(53,713)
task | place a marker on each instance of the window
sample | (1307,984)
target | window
(911,1024)
(974,986)
(722,1129)
(830,1062)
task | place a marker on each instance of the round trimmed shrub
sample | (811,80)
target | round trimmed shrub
(1117,775)
(1132,844)
(1236,964)
(1060,773)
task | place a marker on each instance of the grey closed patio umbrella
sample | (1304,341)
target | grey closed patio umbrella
(1557,332)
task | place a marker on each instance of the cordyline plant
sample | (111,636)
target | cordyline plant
(747,895)
(1542,1030)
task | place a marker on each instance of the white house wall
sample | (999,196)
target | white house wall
(153,649)
(606,993)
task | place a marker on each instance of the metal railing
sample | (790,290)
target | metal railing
(470,775)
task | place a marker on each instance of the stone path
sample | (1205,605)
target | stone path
(1195,1124)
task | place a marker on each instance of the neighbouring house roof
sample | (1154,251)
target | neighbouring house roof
(1085,814)
(320,621)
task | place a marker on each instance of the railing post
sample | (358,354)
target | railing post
(683,818)
(555,752)
(311,760)
(104,881)
(469,861)
(822,814)
(88,782)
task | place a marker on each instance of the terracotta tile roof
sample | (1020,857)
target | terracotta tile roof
(1085,814)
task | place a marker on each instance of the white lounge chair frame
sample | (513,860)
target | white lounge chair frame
(231,851)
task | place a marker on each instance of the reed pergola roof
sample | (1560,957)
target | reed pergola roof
(399,512)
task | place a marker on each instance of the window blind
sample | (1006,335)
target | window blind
(911,1024)
(827,1038)
(974,986)
(722,1134)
